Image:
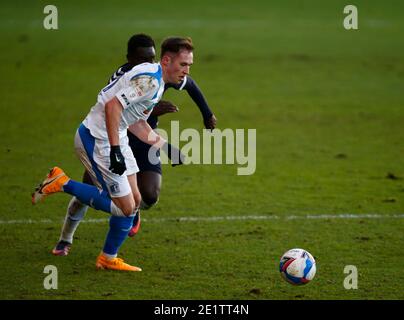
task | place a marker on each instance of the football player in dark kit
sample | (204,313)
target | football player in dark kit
(141,48)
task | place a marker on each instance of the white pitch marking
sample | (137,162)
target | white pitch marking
(225,218)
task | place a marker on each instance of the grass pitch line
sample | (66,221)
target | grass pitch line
(224,218)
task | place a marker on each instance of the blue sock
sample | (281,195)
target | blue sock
(118,232)
(90,195)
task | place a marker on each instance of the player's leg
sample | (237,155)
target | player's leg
(148,178)
(118,231)
(76,211)
(57,181)
(119,226)
(149,183)
(93,156)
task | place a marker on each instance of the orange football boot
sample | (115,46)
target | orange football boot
(53,183)
(114,264)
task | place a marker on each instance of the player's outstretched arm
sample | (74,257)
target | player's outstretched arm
(145,133)
(197,96)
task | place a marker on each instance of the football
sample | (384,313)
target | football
(297,266)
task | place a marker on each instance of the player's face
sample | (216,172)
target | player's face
(142,55)
(177,66)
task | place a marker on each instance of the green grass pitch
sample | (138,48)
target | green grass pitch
(328,107)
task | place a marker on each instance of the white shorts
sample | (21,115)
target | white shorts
(94,154)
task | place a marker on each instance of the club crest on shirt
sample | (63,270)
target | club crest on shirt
(114,188)
(143,85)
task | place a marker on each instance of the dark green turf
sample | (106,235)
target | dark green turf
(328,108)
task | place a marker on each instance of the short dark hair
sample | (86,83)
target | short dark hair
(139,40)
(175,44)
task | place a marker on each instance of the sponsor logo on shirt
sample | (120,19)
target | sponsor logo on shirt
(126,99)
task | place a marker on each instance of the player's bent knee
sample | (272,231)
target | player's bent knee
(150,202)
(127,205)
(146,206)
(151,197)
(129,210)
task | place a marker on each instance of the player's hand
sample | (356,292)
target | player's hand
(118,165)
(177,157)
(163,107)
(174,154)
(210,123)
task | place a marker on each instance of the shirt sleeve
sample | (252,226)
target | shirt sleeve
(139,88)
(196,94)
